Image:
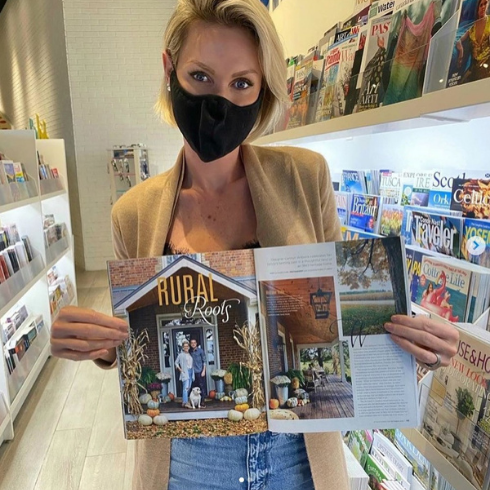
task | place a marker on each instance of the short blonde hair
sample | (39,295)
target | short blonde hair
(250,15)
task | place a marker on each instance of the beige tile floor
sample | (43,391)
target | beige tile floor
(68,435)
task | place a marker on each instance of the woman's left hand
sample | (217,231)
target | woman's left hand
(425,338)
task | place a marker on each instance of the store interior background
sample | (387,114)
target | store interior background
(93,71)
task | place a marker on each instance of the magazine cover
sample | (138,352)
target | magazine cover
(374,57)
(343,206)
(301,93)
(411,28)
(315,86)
(435,232)
(390,186)
(470,59)
(391,220)
(194,339)
(353,181)
(443,288)
(324,307)
(364,212)
(471,197)
(349,233)
(475,246)
(456,420)
(442,185)
(347,56)
(327,91)
(422,185)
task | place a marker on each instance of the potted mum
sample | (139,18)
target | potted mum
(165,380)
(282,388)
(218,377)
(154,389)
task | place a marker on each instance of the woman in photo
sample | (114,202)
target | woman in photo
(478,36)
(224,85)
(184,365)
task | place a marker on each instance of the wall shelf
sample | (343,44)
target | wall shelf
(53,194)
(458,104)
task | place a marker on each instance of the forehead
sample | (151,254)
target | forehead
(220,46)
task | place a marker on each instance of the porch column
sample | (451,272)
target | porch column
(342,364)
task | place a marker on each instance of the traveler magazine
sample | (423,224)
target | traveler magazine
(283,339)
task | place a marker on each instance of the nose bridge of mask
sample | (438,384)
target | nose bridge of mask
(213,114)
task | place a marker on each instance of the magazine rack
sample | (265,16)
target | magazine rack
(29,285)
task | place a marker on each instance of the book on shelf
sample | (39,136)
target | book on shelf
(343,206)
(391,219)
(411,29)
(471,197)
(353,181)
(237,306)
(455,290)
(470,60)
(364,212)
(370,83)
(439,233)
(475,245)
(456,419)
(301,93)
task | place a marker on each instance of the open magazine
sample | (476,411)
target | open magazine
(287,339)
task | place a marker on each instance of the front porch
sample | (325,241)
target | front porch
(331,400)
(176,407)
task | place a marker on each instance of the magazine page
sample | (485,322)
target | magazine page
(193,364)
(330,364)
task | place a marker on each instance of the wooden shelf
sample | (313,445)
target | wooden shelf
(453,105)
(440,463)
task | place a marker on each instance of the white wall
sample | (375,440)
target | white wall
(302,23)
(34,79)
(114,63)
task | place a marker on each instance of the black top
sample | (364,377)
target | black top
(169,249)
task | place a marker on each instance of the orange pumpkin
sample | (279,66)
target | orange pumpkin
(242,408)
(153,412)
(212,394)
(171,396)
(273,403)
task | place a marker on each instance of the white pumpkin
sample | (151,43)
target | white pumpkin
(251,414)
(145,420)
(241,392)
(292,402)
(160,420)
(145,398)
(235,415)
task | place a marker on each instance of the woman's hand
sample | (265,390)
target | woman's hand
(82,334)
(424,338)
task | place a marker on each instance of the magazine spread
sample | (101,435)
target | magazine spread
(286,339)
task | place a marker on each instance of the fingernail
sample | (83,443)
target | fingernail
(388,326)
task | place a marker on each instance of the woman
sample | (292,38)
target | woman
(225,82)
(184,364)
(479,40)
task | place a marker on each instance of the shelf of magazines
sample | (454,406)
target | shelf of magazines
(326,106)
(454,430)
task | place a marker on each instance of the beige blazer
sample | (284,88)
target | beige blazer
(294,203)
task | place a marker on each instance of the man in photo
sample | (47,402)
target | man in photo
(199,364)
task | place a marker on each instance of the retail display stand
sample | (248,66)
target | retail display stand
(128,166)
(454,105)
(29,286)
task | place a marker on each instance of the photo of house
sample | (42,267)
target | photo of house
(301,317)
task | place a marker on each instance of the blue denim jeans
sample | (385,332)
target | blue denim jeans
(186,385)
(265,461)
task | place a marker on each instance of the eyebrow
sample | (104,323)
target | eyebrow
(212,72)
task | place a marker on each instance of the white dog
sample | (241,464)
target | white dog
(195,397)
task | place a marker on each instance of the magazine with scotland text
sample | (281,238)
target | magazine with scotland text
(287,339)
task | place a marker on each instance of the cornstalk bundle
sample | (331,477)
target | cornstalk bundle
(248,338)
(132,354)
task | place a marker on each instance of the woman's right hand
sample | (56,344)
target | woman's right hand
(82,334)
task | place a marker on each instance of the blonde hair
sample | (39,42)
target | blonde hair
(250,15)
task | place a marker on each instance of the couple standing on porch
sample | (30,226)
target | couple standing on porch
(192,366)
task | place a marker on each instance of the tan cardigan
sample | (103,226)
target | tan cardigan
(294,203)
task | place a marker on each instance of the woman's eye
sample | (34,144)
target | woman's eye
(200,76)
(242,84)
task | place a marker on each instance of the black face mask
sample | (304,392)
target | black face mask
(212,125)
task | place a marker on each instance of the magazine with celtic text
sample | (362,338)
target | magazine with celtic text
(283,339)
